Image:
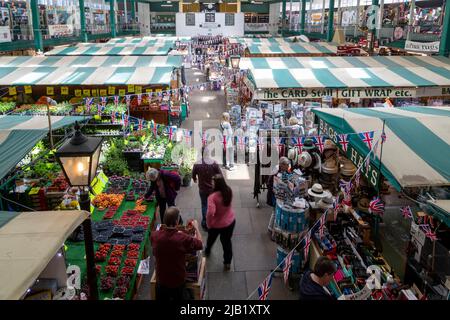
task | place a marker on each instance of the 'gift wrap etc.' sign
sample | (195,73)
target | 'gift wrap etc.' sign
(372,175)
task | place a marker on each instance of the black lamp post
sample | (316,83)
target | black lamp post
(79,159)
(235,61)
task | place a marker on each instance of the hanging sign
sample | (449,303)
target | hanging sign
(64,91)
(86,92)
(148,90)
(131,88)
(370,172)
(422,46)
(103,92)
(122,92)
(111,90)
(275,94)
(95,92)
(78,93)
(50,91)
(12,91)
(138,89)
(377,93)
(28,90)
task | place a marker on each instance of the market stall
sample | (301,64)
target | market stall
(32,242)
(108,50)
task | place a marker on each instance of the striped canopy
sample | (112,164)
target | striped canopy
(108,50)
(85,76)
(19,134)
(348,72)
(87,61)
(263,41)
(416,152)
(146,40)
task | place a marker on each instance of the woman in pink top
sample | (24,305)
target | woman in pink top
(220,219)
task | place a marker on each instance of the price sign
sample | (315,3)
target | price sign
(138,89)
(148,90)
(28,89)
(78,93)
(86,92)
(50,91)
(12,91)
(122,92)
(95,92)
(131,88)
(111,90)
(103,92)
(64,91)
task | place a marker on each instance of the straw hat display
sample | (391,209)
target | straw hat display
(363,204)
(308,144)
(347,168)
(293,155)
(325,203)
(329,149)
(317,191)
(330,166)
(305,160)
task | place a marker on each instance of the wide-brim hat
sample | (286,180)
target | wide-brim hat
(317,191)
(330,166)
(326,202)
(363,204)
(348,168)
(293,155)
(308,144)
(304,160)
(329,145)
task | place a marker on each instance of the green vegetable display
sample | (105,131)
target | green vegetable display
(6,107)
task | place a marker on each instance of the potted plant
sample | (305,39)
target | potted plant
(185,159)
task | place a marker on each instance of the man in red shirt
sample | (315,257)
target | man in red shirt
(169,248)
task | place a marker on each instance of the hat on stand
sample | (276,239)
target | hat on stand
(305,160)
(330,166)
(363,204)
(317,191)
(348,168)
(293,155)
(326,202)
(308,144)
(329,149)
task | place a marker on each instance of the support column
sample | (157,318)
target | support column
(330,21)
(444,47)
(358,15)
(283,17)
(39,45)
(84,37)
(112,17)
(323,17)
(412,11)
(303,17)
(133,15)
(380,19)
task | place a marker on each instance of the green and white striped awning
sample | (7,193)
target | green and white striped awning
(108,50)
(416,152)
(264,41)
(348,72)
(146,40)
(89,61)
(12,76)
(293,48)
(19,134)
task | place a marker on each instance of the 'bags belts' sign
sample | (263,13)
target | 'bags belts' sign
(372,174)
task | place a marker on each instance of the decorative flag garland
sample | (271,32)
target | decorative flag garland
(406,212)
(187,136)
(307,244)
(140,124)
(113,116)
(298,142)
(319,142)
(287,266)
(343,141)
(171,131)
(116,101)
(241,142)
(428,232)
(322,225)
(367,138)
(376,206)
(264,288)
(139,99)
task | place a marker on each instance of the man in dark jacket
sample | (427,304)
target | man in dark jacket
(165,185)
(313,284)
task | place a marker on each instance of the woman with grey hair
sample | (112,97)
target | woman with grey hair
(228,150)
(283,166)
(164,184)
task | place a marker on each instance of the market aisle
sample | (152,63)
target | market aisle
(254,252)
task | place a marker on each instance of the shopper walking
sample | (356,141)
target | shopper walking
(203,173)
(228,149)
(313,284)
(220,219)
(170,247)
(165,185)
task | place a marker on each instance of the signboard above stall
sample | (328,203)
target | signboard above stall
(425,47)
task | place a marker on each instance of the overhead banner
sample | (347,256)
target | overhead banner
(426,47)
(279,94)
(377,93)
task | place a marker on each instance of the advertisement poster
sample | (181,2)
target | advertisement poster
(348,18)
(60,29)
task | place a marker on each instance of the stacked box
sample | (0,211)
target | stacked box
(291,219)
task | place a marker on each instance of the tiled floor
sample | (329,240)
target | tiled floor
(254,254)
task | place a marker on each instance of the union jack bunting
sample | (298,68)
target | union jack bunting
(298,142)
(187,136)
(125,120)
(116,101)
(140,124)
(357,177)
(346,186)
(307,244)
(428,232)
(113,116)
(100,109)
(376,206)
(319,142)
(171,132)
(88,101)
(204,138)
(322,225)
(374,150)
(128,99)
(336,207)
(367,163)
(262,142)
(103,101)
(367,138)
(154,129)
(264,288)
(241,141)
(287,266)
(406,212)
(139,99)
(343,141)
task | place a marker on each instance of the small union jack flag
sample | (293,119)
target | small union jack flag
(155,129)
(140,124)
(367,138)
(100,109)
(318,141)
(336,207)
(383,137)
(346,186)
(406,212)
(188,136)
(298,142)
(88,101)
(171,132)
(128,99)
(125,120)
(241,141)
(139,99)
(264,288)
(367,163)
(204,138)
(287,266)
(262,142)
(343,141)
(307,244)
(322,225)
(357,177)
(103,100)
(376,206)
(113,116)
(116,101)
(428,232)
